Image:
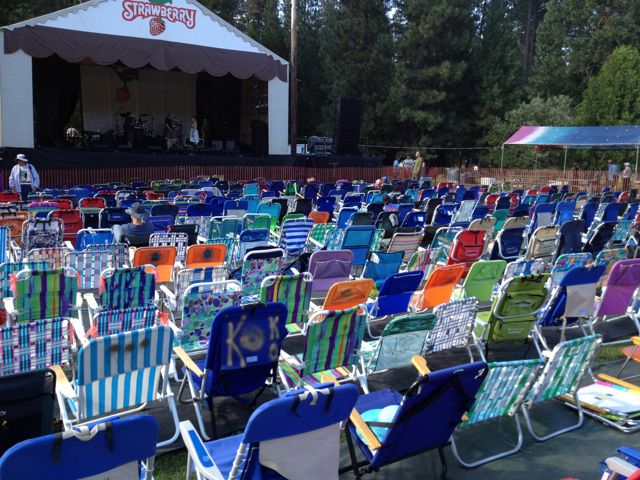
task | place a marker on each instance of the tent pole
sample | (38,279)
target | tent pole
(501,159)
(564,169)
(637,153)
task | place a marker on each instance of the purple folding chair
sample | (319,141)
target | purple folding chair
(329,267)
(622,282)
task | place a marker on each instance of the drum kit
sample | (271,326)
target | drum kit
(135,132)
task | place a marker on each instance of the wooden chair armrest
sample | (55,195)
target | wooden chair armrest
(63,385)
(188,361)
(367,434)
(617,381)
(420,363)
(635,340)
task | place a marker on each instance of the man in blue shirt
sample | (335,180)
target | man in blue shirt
(137,232)
(612,173)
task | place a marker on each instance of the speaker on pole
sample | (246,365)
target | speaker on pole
(346,133)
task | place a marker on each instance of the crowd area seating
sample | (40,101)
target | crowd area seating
(367,278)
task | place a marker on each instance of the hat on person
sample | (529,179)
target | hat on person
(626,164)
(137,211)
(21,157)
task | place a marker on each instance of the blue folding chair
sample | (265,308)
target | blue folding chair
(443,214)
(508,244)
(90,236)
(294,436)
(325,204)
(358,239)
(388,427)
(564,212)
(381,265)
(414,219)
(569,239)
(120,449)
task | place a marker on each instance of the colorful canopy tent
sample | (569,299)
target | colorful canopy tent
(617,137)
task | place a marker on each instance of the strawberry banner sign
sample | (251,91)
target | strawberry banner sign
(159,12)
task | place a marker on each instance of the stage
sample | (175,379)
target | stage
(66,167)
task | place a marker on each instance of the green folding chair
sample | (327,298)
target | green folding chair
(481,280)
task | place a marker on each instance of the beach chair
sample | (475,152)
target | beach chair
(255,221)
(206,256)
(125,287)
(53,256)
(381,265)
(402,338)
(566,262)
(259,264)
(41,233)
(542,243)
(72,221)
(514,311)
(501,217)
(162,258)
(622,283)
(600,238)
(438,287)
(293,236)
(292,290)
(14,221)
(347,294)
(242,355)
(569,237)
(407,243)
(40,294)
(250,239)
(318,236)
(122,449)
(565,368)
(332,341)
(186,277)
(27,402)
(180,241)
(502,393)
(236,208)
(467,247)
(481,280)
(387,426)
(110,216)
(507,244)
(111,322)
(358,239)
(487,224)
(329,267)
(609,257)
(516,222)
(299,421)
(90,236)
(106,365)
(626,464)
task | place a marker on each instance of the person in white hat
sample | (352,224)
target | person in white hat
(24,178)
(626,177)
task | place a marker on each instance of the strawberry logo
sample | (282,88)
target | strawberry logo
(157,26)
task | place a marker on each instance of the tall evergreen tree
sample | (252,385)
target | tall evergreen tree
(433,87)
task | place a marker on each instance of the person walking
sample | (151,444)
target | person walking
(417,167)
(24,178)
(612,173)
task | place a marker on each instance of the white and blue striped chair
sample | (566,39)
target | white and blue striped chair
(294,234)
(118,375)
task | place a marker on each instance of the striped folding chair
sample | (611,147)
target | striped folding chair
(34,345)
(292,290)
(318,236)
(5,244)
(566,366)
(89,265)
(453,328)
(501,394)
(53,256)
(293,236)
(332,347)
(187,277)
(407,243)
(11,268)
(39,294)
(111,322)
(118,375)
(178,240)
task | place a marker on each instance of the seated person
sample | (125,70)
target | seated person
(137,232)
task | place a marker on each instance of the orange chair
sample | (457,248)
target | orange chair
(162,258)
(154,195)
(438,288)
(319,217)
(203,256)
(14,221)
(348,294)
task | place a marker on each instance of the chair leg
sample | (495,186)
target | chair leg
(443,462)
(352,455)
(212,413)
(542,438)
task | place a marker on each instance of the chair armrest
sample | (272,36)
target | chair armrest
(620,467)
(291,360)
(91,301)
(635,340)
(294,271)
(17,251)
(177,331)
(168,293)
(78,328)
(69,245)
(617,381)
(188,361)
(420,363)
(198,453)
(79,301)
(9,306)
(367,434)
(63,386)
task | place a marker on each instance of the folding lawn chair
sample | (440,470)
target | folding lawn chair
(600,238)
(609,257)
(124,287)
(348,294)
(566,262)
(41,233)
(250,239)
(622,283)
(299,421)
(90,236)
(293,236)
(292,290)
(332,342)
(388,427)
(329,267)
(112,322)
(136,362)
(180,241)
(259,264)
(243,350)
(438,287)
(27,404)
(467,247)
(52,256)
(407,243)
(507,244)
(569,237)
(542,243)
(381,265)
(481,280)
(162,258)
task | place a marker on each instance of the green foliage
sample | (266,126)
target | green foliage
(556,110)
(612,97)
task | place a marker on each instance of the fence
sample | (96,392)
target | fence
(581,180)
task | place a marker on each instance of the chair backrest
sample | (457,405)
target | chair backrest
(358,239)
(565,368)
(294,291)
(329,267)
(348,294)
(439,286)
(73,223)
(380,265)
(44,293)
(111,322)
(542,242)
(294,235)
(54,256)
(163,258)
(244,347)
(622,282)
(117,446)
(333,339)
(172,239)
(487,224)
(453,326)
(438,399)
(259,264)
(34,345)
(42,233)
(407,243)
(250,239)
(89,236)
(569,237)
(207,255)
(566,262)
(127,287)
(468,246)
(515,222)
(609,257)
(200,304)
(396,292)
(482,278)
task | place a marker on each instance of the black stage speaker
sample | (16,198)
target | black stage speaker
(346,133)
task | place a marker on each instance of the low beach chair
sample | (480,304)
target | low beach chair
(438,287)
(292,290)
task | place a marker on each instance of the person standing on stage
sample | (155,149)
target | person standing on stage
(417,167)
(24,178)
(194,135)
